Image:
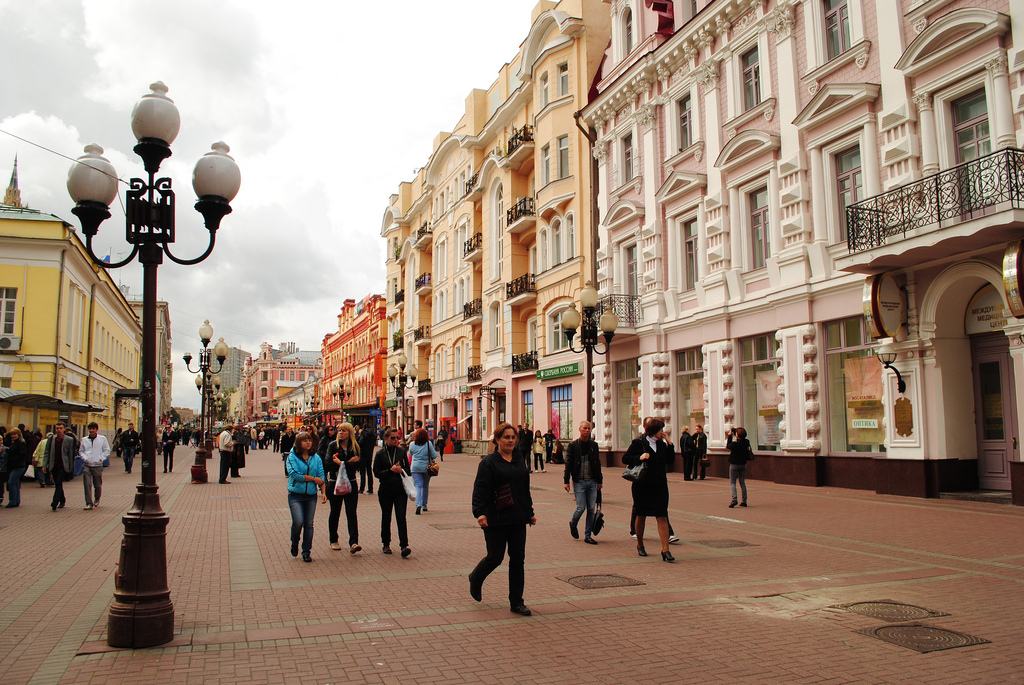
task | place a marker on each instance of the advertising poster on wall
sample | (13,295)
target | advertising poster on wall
(768,416)
(864,401)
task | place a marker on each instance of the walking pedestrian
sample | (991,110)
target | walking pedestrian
(170,442)
(38,458)
(388,465)
(686,449)
(17,462)
(226,446)
(650,492)
(305,481)
(367,447)
(343,451)
(700,451)
(60,462)
(422,454)
(740,453)
(503,506)
(538,453)
(583,467)
(94,450)
(129,444)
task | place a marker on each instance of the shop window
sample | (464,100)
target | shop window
(560,400)
(528,409)
(627,399)
(690,387)
(854,380)
(760,411)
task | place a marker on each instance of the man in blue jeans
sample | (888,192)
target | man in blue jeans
(583,467)
(130,442)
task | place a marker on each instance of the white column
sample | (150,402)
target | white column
(819,215)
(929,148)
(1001,103)
(869,159)
(774,212)
(735,233)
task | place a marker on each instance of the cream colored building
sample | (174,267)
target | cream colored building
(490,242)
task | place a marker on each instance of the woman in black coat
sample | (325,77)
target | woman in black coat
(388,465)
(503,506)
(650,492)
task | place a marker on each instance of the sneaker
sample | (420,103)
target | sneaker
(87,507)
(672,539)
(633,535)
(743,504)
(574,531)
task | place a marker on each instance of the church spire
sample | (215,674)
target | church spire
(12,196)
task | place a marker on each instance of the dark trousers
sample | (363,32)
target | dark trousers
(548,449)
(538,461)
(225,464)
(397,500)
(168,457)
(498,538)
(687,466)
(699,466)
(365,476)
(128,455)
(58,488)
(350,501)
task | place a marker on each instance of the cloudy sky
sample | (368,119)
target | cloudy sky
(327,106)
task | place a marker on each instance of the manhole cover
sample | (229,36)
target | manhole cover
(453,526)
(922,638)
(599,582)
(724,544)
(226,497)
(888,610)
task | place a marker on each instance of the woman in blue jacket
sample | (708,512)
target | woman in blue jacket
(422,453)
(305,484)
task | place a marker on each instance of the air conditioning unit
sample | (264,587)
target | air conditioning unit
(9,343)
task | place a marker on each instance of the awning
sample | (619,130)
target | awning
(36,401)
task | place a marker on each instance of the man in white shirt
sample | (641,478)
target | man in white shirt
(226,445)
(93,450)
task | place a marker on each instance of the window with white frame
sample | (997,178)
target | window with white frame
(971,131)
(627,31)
(563,80)
(556,242)
(545,165)
(531,335)
(837,28)
(542,90)
(494,314)
(849,183)
(544,250)
(690,256)
(441,259)
(457,355)
(460,242)
(627,158)
(759,361)
(684,105)
(8,304)
(751,78)
(557,340)
(632,270)
(460,295)
(533,260)
(563,156)
(497,233)
(570,236)
(759,242)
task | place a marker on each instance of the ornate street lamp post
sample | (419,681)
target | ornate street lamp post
(142,614)
(203,452)
(399,377)
(588,325)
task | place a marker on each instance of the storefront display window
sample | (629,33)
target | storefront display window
(627,394)
(690,388)
(528,408)
(854,379)
(561,411)
(758,365)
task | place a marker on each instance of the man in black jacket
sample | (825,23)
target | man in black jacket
(130,443)
(367,448)
(583,466)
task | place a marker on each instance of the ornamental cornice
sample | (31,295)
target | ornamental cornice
(998,66)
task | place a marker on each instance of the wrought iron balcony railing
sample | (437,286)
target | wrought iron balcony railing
(425,229)
(625,307)
(957,194)
(474,373)
(400,296)
(396,345)
(470,183)
(472,244)
(524,362)
(527,283)
(422,280)
(520,136)
(526,206)
(423,385)
(421,333)
(474,308)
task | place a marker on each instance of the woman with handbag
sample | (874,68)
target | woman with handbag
(343,451)
(389,465)
(503,506)
(538,452)
(423,455)
(650,489)
(305,479)
(740,453)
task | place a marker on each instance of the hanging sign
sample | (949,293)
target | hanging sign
(1013,277)
(883,306)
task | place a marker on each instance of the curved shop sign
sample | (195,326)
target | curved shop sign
(1013,277)
(883,306)
(985,312)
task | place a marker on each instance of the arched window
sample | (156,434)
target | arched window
(494,314)
(544,249)
(570,236)
(441,260)
(497,233)
(556,243)
(627,31)
(556,339)
(460,294)
(458,361)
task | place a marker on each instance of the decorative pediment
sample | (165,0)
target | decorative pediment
(678,184)
(545,33)
(744,147)
(623,212)
(950,35)
(832,100)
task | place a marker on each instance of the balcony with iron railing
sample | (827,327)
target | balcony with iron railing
(473,311)
(522,215)
(524,362)
(423,385)
(471,184)
(522,289)
(625,307)
(400,297)
(397,340)
(977,204)
(473,249)
(520,146)
(475,373)
(424,236)
(423,285)
(421,336)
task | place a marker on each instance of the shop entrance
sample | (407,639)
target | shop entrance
(995,409)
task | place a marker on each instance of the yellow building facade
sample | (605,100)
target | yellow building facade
(490,243)
(69,341)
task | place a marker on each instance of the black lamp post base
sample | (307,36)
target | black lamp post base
(136,626)
(199,474)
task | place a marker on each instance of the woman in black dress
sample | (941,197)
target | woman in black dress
(503,506)
(650,492)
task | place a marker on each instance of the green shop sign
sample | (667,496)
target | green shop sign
(559,371)
(390,403)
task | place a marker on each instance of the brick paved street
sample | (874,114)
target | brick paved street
(246,611)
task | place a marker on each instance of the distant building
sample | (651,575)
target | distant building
(354,357)
(262,376)
(231,372)
(164,367)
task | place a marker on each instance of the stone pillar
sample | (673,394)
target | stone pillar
(929,149)
(1003,121)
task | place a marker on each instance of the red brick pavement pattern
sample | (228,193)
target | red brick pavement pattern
(759,613)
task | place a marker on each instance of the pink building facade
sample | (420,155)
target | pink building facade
(788,193)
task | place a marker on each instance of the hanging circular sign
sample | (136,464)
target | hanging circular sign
(883,306)
(1013,277)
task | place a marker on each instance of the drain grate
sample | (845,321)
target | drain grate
(922,638)
(888,610)
(226,497)
(724,544)
(599,582)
